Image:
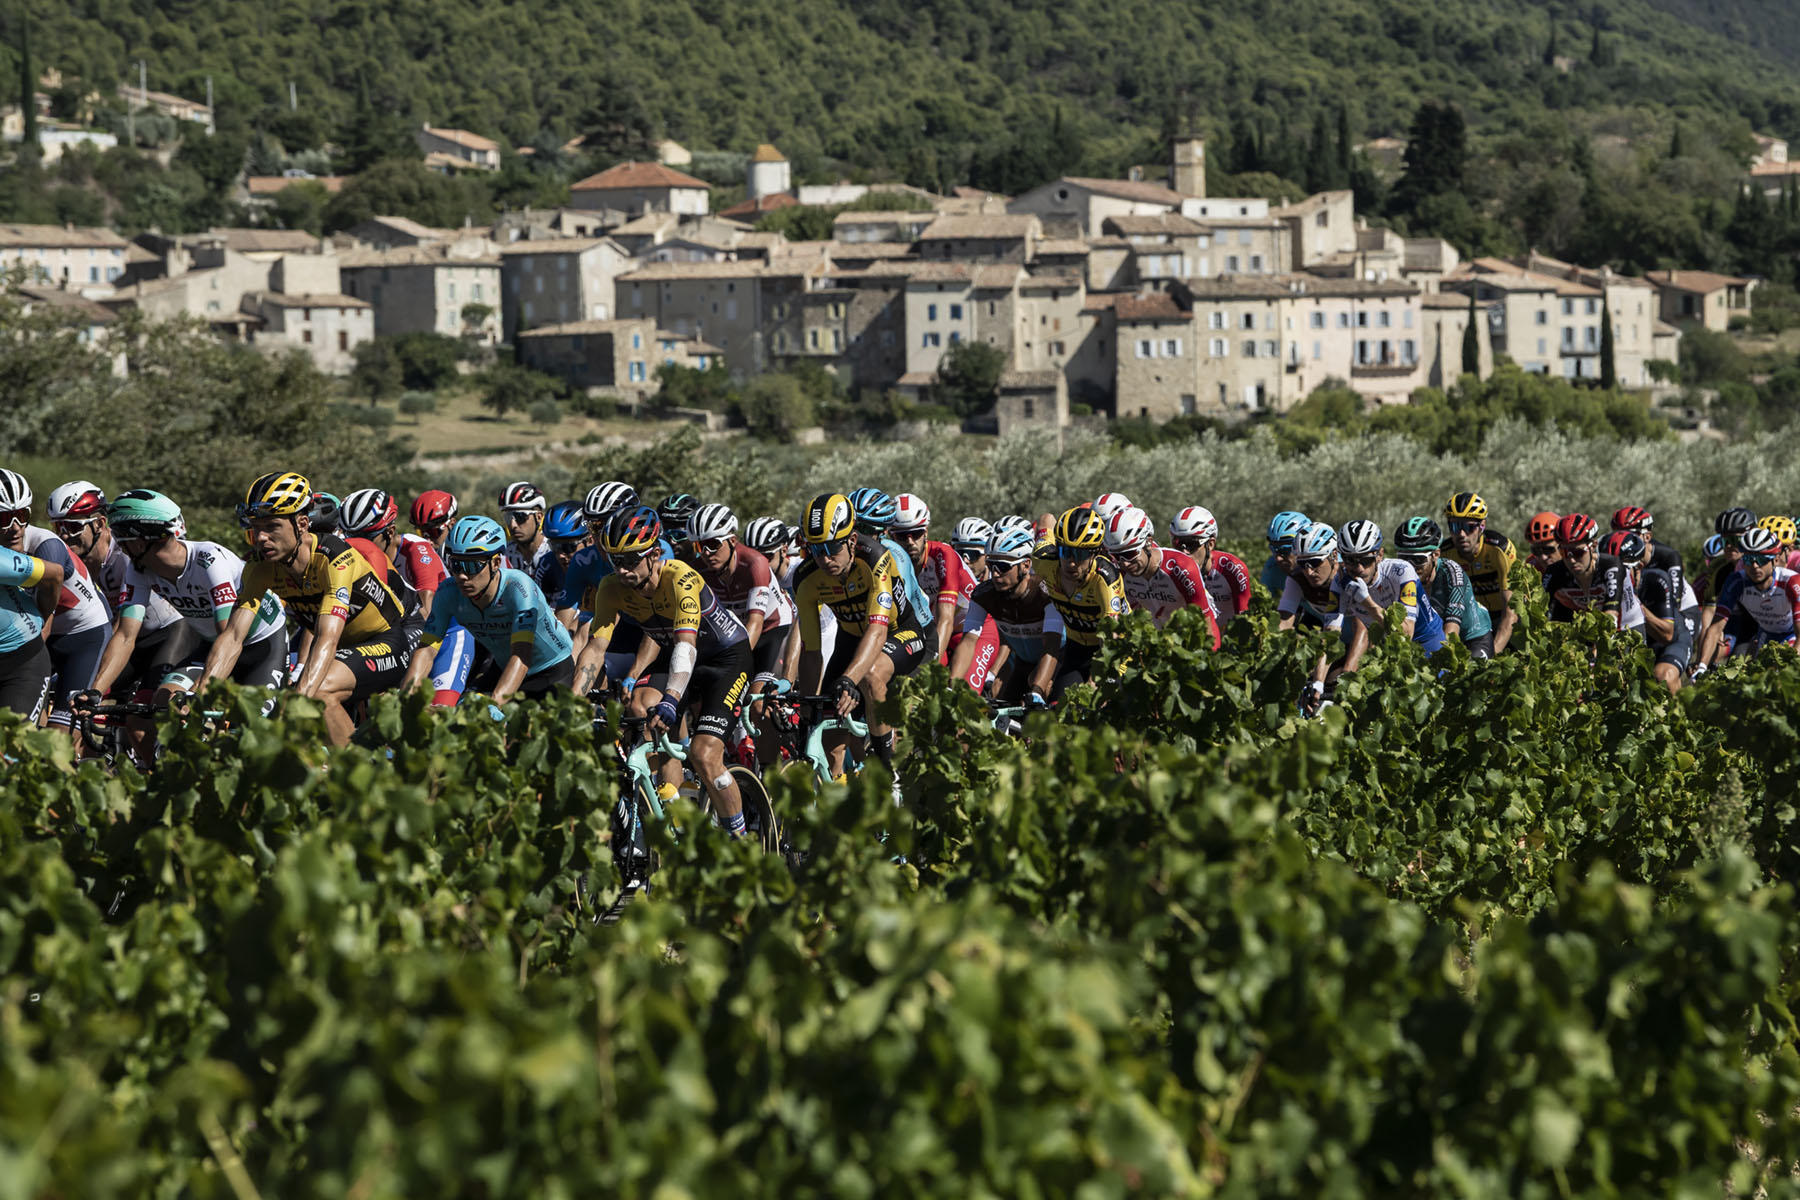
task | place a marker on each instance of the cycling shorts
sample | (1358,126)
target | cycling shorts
(905,648)
(75,657)
(451,664)
(1480,647)
(379,664)
(716,690)
(148,663)
(25,679)
(537,685)
(261,664)
(1072,667)
(770,654)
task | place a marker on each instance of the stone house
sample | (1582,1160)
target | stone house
(450,288)
(557,282)
(471,150)
(1688,298)
(79,258)
(636,188)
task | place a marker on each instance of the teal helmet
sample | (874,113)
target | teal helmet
(475,537)
(1417,534)
(142,513)
(1285,528)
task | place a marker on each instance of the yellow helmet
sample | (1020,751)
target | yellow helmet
(1782,527)
(1466,506)
(829,518)
(277,494)
(1081,528)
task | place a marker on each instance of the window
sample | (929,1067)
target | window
(731,309)
(1243,237)
(1543,316)
(956,336)
(1318,320)
(528,313)
(1146,348)
(1224,395)
(306,336)
(1593,338)
(1362,353)
(931,312)
(1541,343)
(1247,321)
(1322,220)
(1231,264)
(1030,408)
(343,339)
(1409,352)
(452,291)
(1406,318)
(1256,263)
(1568,338)
(812,339)
(1057,348)
(1384,318)
(956,312)
(1172,348)
(1215,320)
(837,339)
(930,340)
(637,341)
(1568,308)
(1187,404)
(1343,320)
(1219,348)
(635,372)
(1318,351)
(1362,320)
(93,274)
(637,296)
(1249,347)
(1271,349)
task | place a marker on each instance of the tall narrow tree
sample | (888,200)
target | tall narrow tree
(1609,371)
(27,78)
(1471,347)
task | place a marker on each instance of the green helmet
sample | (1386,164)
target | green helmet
(141,513)
(1418,534)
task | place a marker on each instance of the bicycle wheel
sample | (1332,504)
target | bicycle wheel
(759,814)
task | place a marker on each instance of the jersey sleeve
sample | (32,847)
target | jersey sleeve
(520,598)
(20,570)
(423,567)
(885,581)
(1237,578)
(1730,593)
(949,583)
(681,592)
(974,618)
(1289,604)
(603,601)
(253,583)
(765,596)
(341,572)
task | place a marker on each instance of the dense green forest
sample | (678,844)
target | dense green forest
(1611,132)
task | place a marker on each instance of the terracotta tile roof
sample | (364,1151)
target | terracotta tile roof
(1242,287)
(462,137)
(1100,301)
(750,208)
(870,251)
(1127,189)
(1001,277)
(775,268)
(1157,306)
(269,185)
(72,303)
(916,379)
(1446,300)
(1052,281)
(637,175)
(893,217)
(1167,224)
(61,237)
(550,246)
(995,227)
(1698,282)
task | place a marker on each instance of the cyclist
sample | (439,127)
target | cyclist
(773,539)
(1195,533)
(431,515)
(1540,535)
(588,568)
(1662,556)
(1760,604)
(77,618)
(24,662)
(1110,503)
(1085,588)
(970,540)
(883,624)
(1156,580)
(705,651)
(1584,579)
(372,514)
(745,584)
(1711,551)
(1447,585)
(1785,534)
(943,578)
(1005,621)
(522,508)
(1667,626)
(674,512)
(1371,583)
(528,650)
(1306,598)
(324,513)
(1487,557)
(202,581)
(1284,528)
(875,511)
(1729,525)
(77,512)
(332,589)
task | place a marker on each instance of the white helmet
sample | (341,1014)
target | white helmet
(76,501)
(1015,521)
(522,496)
(910,513)
(604,498)
(1360,537)
(1196,523)
(712,523)
(1111,503)
(766,534)
(1317,540)
(14,491)
(1127,529)
(366,511)
(972,533)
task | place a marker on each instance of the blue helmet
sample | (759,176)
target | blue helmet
(1285,528)
(1011,545)
(1713,547)
(875,509)
(475,537)
(565,520)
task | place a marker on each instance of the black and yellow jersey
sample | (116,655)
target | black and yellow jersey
(1101,595)
(873,592)
(680,603)
(343,578)
(1487,568)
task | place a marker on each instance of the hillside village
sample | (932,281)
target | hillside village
(1139,297)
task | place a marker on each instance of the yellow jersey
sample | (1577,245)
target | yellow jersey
(1100,595)
(873,592)
(680,603)
(1487,568)
(340,580)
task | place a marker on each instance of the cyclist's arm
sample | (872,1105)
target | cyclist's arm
(867,651)
(1045,673)
(808,671)
(223,656)
(118,649)
(1503,624)
(327,631)
(590,664)
(753,625)
(1358,645)
(946,623)
(683,656)
(965,649)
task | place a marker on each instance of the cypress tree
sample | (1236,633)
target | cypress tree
(27,79)
(1609,371)
(1471,348)
(1344,149)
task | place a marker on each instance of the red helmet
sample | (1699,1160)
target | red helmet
(1542,528)
(1634,518)
(1627,544)
(1575,529)
(433,507)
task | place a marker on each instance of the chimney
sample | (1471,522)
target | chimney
(1187,166)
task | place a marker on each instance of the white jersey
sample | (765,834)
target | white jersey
(543,560)
(1631,609)
(158,614)
(79,607)
(204,593)
(1293,602)
(1395,582)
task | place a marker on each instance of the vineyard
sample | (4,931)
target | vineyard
(1508,929)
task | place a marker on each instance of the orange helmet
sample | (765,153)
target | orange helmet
(1542,528)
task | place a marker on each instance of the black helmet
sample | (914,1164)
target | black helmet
(1734,521)
(1418,534)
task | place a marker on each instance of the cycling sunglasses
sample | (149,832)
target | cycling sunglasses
(1001,567)
(519,516)
(1073,554)
(713,545)
(1758,560)
(627,560)
(468,568)
(1362,560)
(565,545)
(971,554)
(65,528)
(1311,564)
(910,535)
(1467,526)
(1416,560)
(827,549)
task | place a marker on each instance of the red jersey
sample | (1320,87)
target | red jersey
(1228,585)
(748,586)
(1174,584)
(944,576)
(421,563)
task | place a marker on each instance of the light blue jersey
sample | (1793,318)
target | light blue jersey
(20,620)
(517,621)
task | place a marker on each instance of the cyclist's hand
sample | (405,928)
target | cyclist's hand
(664,716)
(848,696)
(1036,702)
(84,702)
(496,713)
(1312,696)
(181,702)
(1697,672)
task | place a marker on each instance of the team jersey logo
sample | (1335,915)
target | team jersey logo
(223,593)
(885,600)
